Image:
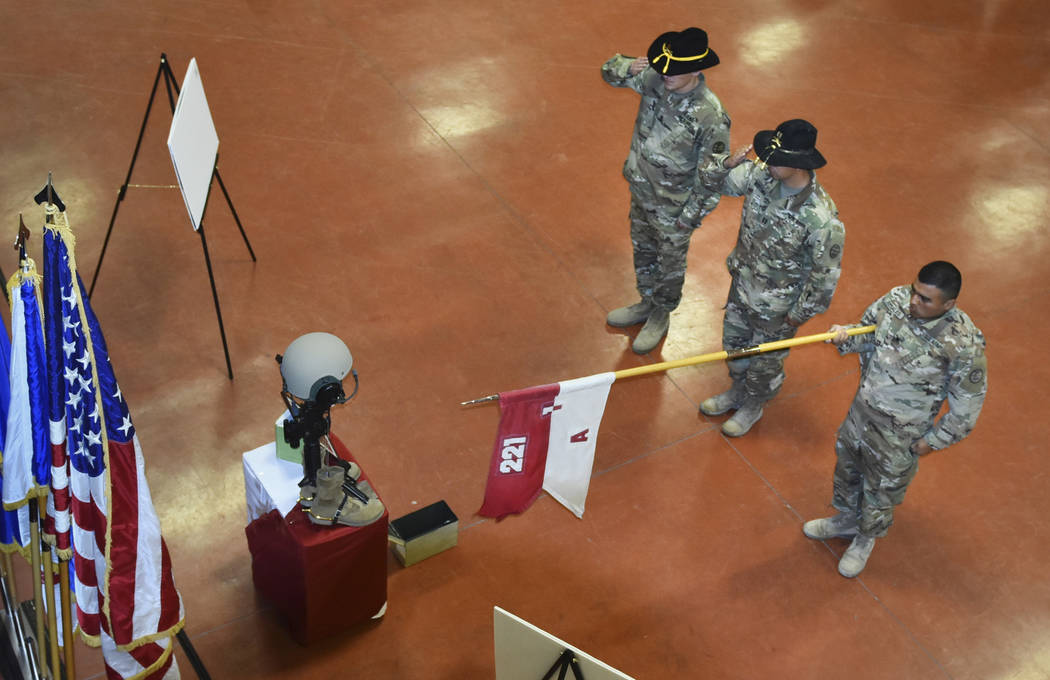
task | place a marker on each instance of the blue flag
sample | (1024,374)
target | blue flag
(26,450)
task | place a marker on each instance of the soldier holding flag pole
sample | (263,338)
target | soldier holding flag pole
(547,434)
(924,351)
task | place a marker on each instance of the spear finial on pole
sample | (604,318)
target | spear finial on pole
(479,400)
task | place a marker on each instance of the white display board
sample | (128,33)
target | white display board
(193,144)
(525,652)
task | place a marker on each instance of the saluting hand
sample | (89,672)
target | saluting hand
(638,65)
(738,156)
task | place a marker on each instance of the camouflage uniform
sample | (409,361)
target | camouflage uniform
(908,368)
(786,264)
(674,134)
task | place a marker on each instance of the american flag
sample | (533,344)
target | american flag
(126,601)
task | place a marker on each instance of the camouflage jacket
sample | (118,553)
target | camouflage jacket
(674,136)
(788,254)
(910,366)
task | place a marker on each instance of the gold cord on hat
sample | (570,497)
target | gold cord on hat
(670,57)
(774,144)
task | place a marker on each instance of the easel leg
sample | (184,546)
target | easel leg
(191,654)
(127,179)
(564,662)
(215,297)
(235,217)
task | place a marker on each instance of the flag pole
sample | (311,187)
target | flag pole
(67,618)
(737,353)
(49,599)
(38,604)
(713,356)
(9,570)
(49,593)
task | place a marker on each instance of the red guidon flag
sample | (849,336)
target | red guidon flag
(546,441)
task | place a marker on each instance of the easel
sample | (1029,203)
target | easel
(566,661)
(171,85)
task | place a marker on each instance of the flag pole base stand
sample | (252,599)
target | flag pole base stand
(28,612)
(14,663)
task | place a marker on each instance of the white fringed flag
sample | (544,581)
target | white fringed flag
(26,456)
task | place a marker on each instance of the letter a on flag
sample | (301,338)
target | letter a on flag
(546,442)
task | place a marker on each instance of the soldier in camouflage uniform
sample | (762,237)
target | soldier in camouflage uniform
(680,124)
(785,265)
(924,350)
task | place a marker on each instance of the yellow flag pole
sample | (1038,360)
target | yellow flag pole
(714,356)
(67,619)
(38,603)
(49,596)
(737,353)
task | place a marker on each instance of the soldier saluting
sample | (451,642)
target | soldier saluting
(785,265)
(924,350)
(680,124)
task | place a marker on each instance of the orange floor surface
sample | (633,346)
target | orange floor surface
(439,184)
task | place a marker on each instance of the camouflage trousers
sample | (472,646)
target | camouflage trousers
(660,250)
(874,468)
(761,375)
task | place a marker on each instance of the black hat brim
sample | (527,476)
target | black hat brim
(677,68)
(810,159)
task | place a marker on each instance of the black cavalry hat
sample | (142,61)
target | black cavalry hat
(678,52)
(792,145)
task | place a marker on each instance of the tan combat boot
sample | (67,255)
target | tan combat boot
(332,505)
(725,402)
(631,315)
(856,556)
(652,332)
(842,525)
(749,413)
(308,491)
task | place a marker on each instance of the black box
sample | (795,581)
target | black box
(423,533)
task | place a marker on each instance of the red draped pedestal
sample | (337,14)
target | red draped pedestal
(322,579)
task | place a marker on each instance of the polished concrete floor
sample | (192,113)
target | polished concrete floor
(439,185)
